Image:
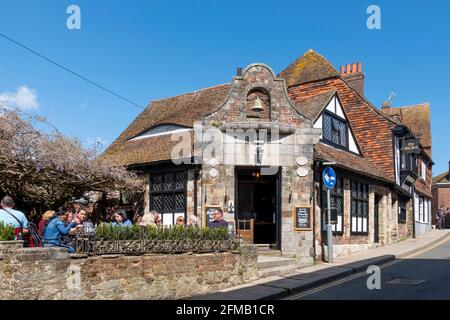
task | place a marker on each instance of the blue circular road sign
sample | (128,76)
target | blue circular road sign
(329,177)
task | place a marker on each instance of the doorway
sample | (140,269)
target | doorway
(257,207)
(376,217)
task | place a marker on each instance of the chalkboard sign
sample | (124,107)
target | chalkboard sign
(303,218)
(209,214)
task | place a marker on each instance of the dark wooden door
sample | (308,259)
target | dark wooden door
(376,236)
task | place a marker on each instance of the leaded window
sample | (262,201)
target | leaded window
(360,208)
(335,130)
(168,194)
(402,211)
(337,206)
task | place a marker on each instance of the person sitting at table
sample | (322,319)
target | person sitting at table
(58,228)
(218,221)
(180,221)
(121,219)
(192,221)
(45,219)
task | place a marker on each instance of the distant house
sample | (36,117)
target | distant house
(417,120)
(277,133)
(441,194)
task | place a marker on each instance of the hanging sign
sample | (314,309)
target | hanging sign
(411,145)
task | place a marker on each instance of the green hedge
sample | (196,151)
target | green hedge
(6,232)
(110,232)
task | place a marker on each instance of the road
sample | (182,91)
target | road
(423,276)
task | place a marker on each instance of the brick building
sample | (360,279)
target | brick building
(441,195)
(272,136)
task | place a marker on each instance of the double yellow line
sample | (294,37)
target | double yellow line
(363,273)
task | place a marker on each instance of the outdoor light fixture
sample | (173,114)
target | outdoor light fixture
(258,107)
(256,174)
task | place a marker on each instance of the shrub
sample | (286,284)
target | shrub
(6,233)
(175,233)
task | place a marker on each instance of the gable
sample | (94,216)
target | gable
(311,66)
(334,107)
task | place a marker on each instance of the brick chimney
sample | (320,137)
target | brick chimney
(353,74)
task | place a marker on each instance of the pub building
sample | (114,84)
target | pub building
(256,147)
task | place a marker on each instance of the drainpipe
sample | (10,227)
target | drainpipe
(196,174)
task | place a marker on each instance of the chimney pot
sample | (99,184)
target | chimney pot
(342,70)
(354,68)
(348,69)
(359,67)
(239,71)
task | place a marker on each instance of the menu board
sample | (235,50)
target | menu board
(209,214)
(303,218)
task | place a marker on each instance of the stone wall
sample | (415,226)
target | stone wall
(51,273)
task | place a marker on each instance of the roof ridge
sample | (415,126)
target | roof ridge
(413,105)
(188,93)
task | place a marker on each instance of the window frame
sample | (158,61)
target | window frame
(401,214)
(346,130)
(174,191)
(357,199)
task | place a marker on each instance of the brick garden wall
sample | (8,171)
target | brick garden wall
(51,273)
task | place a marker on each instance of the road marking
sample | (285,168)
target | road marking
(363,273)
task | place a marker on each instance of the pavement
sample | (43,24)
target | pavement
(306,278)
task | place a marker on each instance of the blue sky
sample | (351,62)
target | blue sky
(146,50)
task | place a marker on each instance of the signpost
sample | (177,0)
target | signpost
(329,180)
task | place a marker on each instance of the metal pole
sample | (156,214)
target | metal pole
(329,228)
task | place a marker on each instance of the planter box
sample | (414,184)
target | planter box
(160,246)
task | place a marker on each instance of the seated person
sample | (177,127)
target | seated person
(58,228)
(14,218)
(121,219)
(180,221)
(218,221)
(45,219)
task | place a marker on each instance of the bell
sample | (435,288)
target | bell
(258,107)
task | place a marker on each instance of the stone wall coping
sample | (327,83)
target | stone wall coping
(11,242)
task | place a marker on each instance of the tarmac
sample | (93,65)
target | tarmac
(306,278)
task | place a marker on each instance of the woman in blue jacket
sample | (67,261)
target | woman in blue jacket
(57,228)
(121,219)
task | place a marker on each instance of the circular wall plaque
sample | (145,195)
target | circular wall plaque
(213,162)
(302,172)
(213,173)
(301,161)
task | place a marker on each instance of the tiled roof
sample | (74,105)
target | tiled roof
(417,119)
(348,161)
(311,66)
(312,106)
(442,178)
(182,110)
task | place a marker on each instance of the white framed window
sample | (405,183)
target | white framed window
(423,171)
(397,159)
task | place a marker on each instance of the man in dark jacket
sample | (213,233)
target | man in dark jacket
(218,221)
